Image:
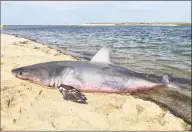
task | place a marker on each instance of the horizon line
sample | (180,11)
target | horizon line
(106,23)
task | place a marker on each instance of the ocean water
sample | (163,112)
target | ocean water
(148,49)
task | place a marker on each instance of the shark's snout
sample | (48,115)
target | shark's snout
(17,72)
(14,72)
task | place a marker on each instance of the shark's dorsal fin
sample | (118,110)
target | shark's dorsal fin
(103,55)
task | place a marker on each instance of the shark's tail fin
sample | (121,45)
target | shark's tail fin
(165,79)
(168,81)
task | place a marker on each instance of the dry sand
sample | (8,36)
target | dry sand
(27,106)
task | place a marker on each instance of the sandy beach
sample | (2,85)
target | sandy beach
(28,106)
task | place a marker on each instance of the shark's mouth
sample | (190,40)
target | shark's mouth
(34,79)
(21,77)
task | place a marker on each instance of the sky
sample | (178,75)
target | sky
(80,12)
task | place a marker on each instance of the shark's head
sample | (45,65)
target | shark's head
(36,74)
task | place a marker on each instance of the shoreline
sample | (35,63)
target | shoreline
(50,47)
(27,106)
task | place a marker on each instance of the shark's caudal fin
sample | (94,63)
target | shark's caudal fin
(165,79)
(103,55)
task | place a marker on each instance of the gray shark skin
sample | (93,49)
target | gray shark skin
(72,77)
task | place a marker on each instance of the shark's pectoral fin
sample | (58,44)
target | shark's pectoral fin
(72,94)
(103,55)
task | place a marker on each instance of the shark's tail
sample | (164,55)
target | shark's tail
(165,79)
(168,81)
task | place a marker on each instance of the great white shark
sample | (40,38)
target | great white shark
(97,75)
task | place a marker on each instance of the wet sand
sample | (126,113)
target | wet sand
(28,106)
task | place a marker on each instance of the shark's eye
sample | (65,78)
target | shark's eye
(20,73)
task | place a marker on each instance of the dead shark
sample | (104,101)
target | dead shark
(98,75)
